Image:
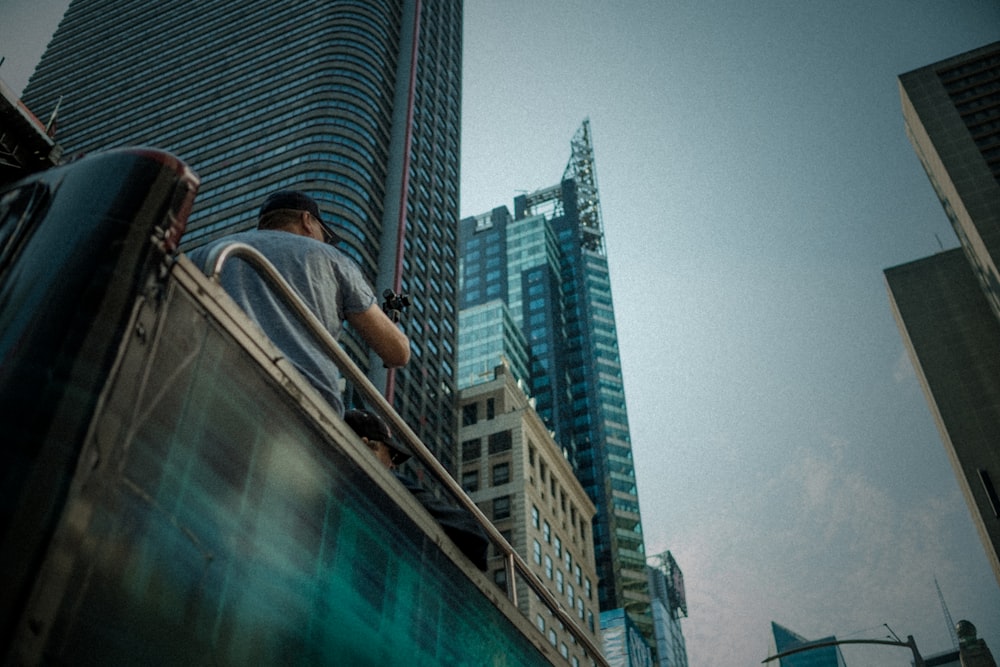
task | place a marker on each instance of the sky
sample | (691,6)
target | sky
(755,180)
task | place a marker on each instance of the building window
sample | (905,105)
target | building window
(531,455)
(501,474)
(470,481)
(546,532)
(537,553)
(534,516)
(470,414)
(552,636)
(500,442)
(564,651)
(586,587)
(490,408)
(557,543)
(559,582)
(501,508)
(470,450)
(500,578)
(579,607)
(569,562)
(579,574)
(570,595)
(548,566)
(540,623)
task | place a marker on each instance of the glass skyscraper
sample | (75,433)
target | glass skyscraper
(786,640)
(548,262)
(668,605)
(356,102)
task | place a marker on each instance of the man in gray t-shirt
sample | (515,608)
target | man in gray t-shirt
(290,234)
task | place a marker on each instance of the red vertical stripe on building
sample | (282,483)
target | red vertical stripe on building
(397,281)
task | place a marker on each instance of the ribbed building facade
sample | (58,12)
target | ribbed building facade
(947,306)
(357,102)
(548,262)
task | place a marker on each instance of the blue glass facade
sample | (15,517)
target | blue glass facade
(488,337)
(357,102)
(785,639)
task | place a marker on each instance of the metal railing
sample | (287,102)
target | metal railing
(514,564)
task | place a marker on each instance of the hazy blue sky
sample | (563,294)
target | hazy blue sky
(755,179)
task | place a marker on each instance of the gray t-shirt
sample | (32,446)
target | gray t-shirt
(328,281)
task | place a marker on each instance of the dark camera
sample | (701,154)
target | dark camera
(393,304)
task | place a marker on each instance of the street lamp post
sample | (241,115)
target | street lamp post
(918,661)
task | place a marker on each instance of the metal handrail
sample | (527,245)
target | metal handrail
(513,562)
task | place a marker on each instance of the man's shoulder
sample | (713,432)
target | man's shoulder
(279,246)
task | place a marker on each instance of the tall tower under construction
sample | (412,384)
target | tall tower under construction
(549,265)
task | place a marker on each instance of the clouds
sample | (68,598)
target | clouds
(822,548)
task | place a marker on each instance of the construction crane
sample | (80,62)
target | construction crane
(947,615)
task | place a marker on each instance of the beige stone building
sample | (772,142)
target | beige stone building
(517,475)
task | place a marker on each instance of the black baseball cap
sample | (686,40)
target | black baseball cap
(369,425)
(295,201)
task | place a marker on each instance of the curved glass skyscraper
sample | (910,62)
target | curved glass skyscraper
(357,102)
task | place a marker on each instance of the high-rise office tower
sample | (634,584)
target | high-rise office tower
(668,606)
(548,262)
(355,102)
(947,306)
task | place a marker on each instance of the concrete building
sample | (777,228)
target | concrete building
(972,651)
(356,103)
(947,306)
(519,478)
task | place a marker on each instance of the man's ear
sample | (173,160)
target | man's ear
(305,222)
(309,227)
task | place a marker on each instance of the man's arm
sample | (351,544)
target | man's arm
(382,335)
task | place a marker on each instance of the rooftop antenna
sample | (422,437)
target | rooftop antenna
(947,615)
